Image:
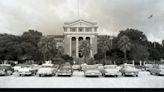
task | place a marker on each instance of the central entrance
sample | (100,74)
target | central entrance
(75,43)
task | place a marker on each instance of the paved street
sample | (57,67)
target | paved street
(145,80)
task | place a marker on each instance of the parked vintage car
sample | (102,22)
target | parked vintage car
(6,69)
(65,70)
(83,66)
(148,66)
(92,70)
(129,69)
(76,67)
(157,69)
(100,67)
(111,70)
(17,67)
(27,70)
(47,69)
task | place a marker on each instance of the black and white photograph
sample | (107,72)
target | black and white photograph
(81,43)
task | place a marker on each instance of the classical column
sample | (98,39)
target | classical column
(91,46)
(93,29)
(70,41)
(84,29)
(77,47)
(77,29)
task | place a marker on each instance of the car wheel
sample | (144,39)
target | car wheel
(153,73)
(8,72)
(20,74)
(116,75)
(123,74)
(40,75)
(158,74)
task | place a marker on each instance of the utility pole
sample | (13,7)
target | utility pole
(78,8)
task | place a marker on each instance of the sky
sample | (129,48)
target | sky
(48,16)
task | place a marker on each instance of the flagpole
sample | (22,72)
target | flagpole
(78,7)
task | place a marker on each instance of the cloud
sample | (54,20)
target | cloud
(48,16)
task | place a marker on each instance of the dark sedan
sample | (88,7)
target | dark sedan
(6,69)
(65,70)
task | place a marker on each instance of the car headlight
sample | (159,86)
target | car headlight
(3,69)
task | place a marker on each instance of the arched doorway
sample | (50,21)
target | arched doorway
(73,44)
(80,52)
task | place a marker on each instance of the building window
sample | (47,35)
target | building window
(95,29)
(73,30)
(65,29)
(80,30)
(88,29)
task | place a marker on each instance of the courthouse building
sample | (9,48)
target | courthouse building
(74,33)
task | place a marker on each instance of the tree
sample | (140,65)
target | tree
(91,61)
(47,47)
(162,49)
(163,43)
(139,52)
(32,36)
(67,58)
(155,50)
(27,51)
(85,48)
(98,57)
(124,45)
(105,44)
(134,35)
(138,39)
(9,46)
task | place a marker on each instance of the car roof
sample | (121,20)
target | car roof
(91,66)
(110,65)
(47,64)
(5,65)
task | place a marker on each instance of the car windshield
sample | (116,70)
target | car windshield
(91,66)
(148,65)
(161,66)
(128,66)
(47,66)
(56,66)
(92,69)
(65,66)
(6,67)
(110,66)
(26,66)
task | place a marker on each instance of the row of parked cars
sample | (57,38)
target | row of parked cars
(155,69)
(67,69)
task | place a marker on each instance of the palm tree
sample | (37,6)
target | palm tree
(85,49)
(105,44)
(124,45)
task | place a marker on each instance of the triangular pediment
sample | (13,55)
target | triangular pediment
(80,23)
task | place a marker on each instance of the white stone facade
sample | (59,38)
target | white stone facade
(76,31)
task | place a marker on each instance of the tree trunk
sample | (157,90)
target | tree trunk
(125,56)
(84,59)
(105,58)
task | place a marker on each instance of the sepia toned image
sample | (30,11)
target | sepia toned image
(81,43)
